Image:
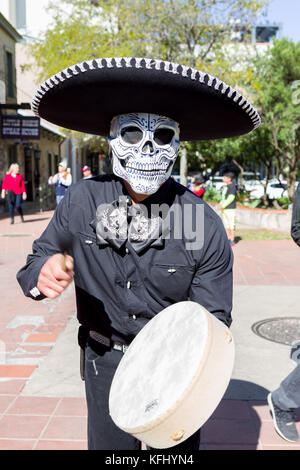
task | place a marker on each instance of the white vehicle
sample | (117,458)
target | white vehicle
(216,181)
(275,189)
(256,189)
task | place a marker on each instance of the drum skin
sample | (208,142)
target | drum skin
(187,381)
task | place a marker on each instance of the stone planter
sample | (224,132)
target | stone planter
(271,219)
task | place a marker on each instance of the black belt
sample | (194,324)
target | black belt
(108,342)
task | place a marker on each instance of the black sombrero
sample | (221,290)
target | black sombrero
(86,96)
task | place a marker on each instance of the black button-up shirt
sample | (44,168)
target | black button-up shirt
(122,282)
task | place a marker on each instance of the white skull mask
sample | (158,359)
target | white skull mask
(144,149)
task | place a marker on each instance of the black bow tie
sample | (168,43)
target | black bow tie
(119,221)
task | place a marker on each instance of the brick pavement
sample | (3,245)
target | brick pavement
(28,331)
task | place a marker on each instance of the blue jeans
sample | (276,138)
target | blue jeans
(17,204)
(287,396)
(58,199)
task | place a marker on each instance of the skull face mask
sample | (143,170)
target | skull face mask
(144,149)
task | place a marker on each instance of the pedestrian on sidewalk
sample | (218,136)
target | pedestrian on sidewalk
(13,188)
(198,185)
(228,206)
(127,269)
(286,398)
(62,181)
(87,172)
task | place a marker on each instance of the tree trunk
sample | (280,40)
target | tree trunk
(265,197)
(183,166)
(291,185)
(241,176)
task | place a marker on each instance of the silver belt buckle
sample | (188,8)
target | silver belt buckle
(120,347)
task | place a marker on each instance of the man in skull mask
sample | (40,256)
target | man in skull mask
(125,254)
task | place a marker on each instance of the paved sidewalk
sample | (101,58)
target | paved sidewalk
(42,404)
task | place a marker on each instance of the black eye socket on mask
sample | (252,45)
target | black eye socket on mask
(131,134)
(163,136)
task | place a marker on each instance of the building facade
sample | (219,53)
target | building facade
(38,159)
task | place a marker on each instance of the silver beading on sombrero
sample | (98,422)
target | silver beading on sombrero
(86,96)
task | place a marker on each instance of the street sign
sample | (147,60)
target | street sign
(20,127)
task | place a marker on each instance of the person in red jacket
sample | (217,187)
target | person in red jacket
(13,188)
(198,185)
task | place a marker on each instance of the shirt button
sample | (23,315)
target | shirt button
(127,251)
(133,317)
(128,285)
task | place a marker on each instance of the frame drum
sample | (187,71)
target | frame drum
(173,375)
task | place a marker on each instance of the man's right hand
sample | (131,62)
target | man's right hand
(55,276)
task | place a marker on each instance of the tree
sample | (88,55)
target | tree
(191,32)
(257,148)
(278,75)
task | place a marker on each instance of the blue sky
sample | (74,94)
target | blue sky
(286,12)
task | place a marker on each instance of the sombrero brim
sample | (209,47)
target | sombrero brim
(86,96)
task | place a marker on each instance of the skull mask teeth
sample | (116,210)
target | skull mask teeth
(144,149)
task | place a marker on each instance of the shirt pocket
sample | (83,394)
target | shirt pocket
(171,282)
(87,239)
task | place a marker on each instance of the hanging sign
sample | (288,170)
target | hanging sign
(20,127)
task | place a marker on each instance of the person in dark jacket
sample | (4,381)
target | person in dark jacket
(121,232)
(286,398)
(295,226)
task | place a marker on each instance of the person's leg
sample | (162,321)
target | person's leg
(19,205)
(103,434)
(10,209)
(231,221)
(226,223)
(59,199)
(282,403)
(229,224)
(287,396)
(233,226)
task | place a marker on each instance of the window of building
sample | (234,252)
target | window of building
(12,155)
(10,88)
(55,163)
(37,157)
(49,164)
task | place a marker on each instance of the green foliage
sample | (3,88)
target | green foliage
(254,203)
(260,234)
(278,73)
(242,197)
(284,202)
(273,80)
(191,32)
(212,194)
